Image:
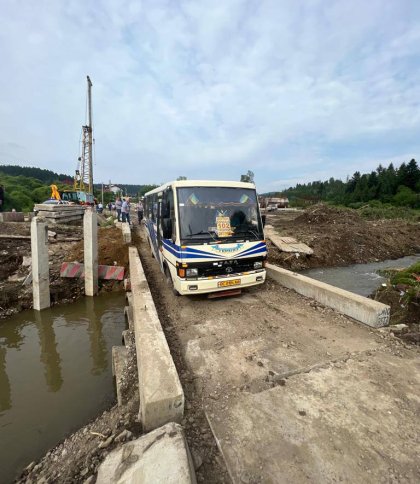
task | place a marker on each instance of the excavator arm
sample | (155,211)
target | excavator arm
(54,192)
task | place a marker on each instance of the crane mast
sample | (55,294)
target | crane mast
(84,176)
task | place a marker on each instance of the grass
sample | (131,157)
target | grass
(410,278)
(386,211)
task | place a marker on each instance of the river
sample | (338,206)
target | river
(55,375)
(361,279)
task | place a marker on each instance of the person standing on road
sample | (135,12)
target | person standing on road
(123,211)
(1,198)
(118,205)
(127,210)
(140,211)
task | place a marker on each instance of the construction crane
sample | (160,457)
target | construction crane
(83,180)
(82,192)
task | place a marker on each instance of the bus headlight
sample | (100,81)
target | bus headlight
(192,272)
(258,265)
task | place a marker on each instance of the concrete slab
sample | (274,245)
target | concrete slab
(161,393)
(286,340)
(355,421)
(360,308)
(286,244)
(49,207)
(162,456)
(119,358)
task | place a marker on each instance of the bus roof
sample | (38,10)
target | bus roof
(202,183)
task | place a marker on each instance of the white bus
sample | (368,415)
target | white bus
(206,235)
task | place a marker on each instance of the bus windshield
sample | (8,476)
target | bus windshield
(214,213)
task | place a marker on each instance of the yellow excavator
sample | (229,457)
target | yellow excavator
(55,194)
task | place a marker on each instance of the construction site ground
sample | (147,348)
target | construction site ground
(66,245)
(292,391)
(340,237)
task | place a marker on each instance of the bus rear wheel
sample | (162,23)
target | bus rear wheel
(170,282)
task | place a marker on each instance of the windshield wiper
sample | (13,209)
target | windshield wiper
(203,232)
(247,232)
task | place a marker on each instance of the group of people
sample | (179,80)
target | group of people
(123,207)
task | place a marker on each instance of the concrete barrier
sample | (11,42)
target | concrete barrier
(360,308)
(119,358)
(161,394)
(126,232)
(12,217)
(160,456)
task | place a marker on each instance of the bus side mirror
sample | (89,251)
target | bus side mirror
(263,219)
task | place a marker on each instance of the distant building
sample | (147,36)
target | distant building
(273,203)
(114,189)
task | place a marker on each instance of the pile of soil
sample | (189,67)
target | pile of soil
(111,250)
(340,237)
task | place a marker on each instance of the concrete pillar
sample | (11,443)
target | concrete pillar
(90,235)
(40,266)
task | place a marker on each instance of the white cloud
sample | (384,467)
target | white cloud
(282,88)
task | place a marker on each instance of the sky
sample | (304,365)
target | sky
(293,90)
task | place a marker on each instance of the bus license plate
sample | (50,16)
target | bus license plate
(233,282)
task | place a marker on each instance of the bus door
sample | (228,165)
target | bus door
(167,216)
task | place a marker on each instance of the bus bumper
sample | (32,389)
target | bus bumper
(202,286)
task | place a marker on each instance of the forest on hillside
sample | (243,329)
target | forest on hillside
(397,186)
(41,174)
(25,186)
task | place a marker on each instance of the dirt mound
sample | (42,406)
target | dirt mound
(340,237)
(325,214)
(111,250)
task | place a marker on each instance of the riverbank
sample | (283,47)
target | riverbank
(341,237)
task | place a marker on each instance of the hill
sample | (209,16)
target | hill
(24,186)
(396,186)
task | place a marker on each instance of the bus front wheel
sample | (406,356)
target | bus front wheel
(170,282)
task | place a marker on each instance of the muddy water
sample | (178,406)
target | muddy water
(362,279)
(55,375)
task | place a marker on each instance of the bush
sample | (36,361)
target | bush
(407,198)
(20,201)
(388,211)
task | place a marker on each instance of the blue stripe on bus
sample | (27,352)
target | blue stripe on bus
(254,252)
(192,253)
(251,249)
